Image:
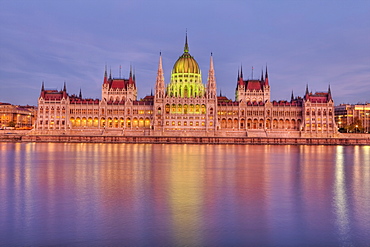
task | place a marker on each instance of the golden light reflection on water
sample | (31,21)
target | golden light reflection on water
(185,192)
(340,196)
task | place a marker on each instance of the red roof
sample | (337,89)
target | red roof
(118,83)
(318,97)
(254,85)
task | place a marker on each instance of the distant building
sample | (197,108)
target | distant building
(353,118)
(15,116)
(186,106)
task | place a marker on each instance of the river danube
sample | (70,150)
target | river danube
(183,195)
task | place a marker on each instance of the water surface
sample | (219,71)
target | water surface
(177,195)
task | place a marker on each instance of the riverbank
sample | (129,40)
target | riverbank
(18,137)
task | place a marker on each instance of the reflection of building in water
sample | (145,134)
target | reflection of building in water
(15,116)
(353,118)
(186,106)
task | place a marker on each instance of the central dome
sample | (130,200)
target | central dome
(186,78)
(186,64)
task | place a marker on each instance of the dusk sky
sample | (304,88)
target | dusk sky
(302,42)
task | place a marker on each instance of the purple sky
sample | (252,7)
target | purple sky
(303,42)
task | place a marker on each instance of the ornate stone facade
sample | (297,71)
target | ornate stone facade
(186,107)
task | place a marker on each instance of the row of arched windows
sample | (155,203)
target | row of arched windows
(236,123)
(52,110)
(318,112)
(187,109)
(110,122)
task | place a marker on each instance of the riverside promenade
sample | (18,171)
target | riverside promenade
(343,139)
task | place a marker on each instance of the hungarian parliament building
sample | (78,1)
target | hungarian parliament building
(186,107)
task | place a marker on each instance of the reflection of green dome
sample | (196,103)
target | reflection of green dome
(186,78)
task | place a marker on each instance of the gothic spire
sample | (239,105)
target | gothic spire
(266,77)
(80,95)
(186,47)
(159,87)
(241,71)
(64,87)
(292,97)
(262,75)
(307,93)
(329,93)
(211,86)
(42,86)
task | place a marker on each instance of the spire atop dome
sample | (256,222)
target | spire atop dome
(186,47)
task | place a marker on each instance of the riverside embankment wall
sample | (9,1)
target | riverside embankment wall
(183,140)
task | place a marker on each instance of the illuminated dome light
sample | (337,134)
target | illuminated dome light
(186,77)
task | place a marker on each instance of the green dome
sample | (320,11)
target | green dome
(186,77)
(186,64)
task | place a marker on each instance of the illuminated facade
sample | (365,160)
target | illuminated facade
(353,118)
(186,107)
(15,116)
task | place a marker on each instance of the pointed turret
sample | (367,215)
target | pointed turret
(307,93)
(110,74)
(266,77)
(329,94)
(240,81)
(80,94)
(64,91)
(262,76)
(131,80)
(105,75)
(292,97)
(159,86)
(42,93)
(211,85)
